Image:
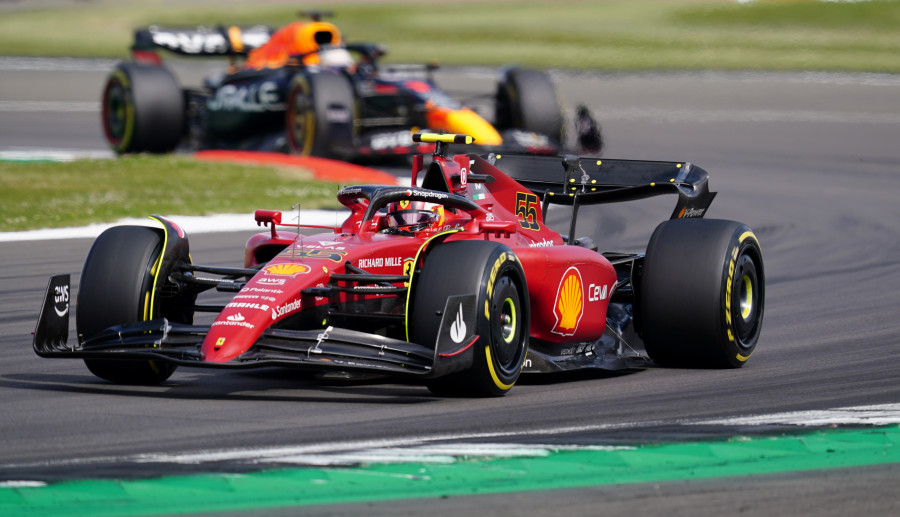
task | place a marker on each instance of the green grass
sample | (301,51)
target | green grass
(51,195)
(607,34)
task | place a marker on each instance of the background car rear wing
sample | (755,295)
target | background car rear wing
(201,41)
(594,181)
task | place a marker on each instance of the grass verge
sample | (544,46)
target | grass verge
(52,195)
(609,34)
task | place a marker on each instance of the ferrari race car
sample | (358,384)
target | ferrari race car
(300,89)
(455,280)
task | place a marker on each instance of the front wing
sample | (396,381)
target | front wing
(332,348)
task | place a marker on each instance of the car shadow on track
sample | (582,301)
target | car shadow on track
(272,386)
(276,385)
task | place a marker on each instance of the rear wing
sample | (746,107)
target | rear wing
(202,41)
(593,181)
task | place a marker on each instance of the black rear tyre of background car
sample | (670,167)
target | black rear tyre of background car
(116,282)
(527,100)
(143,109)
(492,272)
(321,111)
(702,293)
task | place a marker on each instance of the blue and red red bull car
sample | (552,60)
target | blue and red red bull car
(302,89)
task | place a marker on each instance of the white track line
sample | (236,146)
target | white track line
(447,448)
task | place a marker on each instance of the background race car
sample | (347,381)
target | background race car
(302,89)
(372,295)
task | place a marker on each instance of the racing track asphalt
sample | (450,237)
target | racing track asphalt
(810,161)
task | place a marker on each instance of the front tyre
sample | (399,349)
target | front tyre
(116,287)
(702,293)
(492,271)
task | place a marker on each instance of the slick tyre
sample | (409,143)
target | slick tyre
(321,114)
(702,293)
(143,109)
(527,100)
(493,272)
(115,289)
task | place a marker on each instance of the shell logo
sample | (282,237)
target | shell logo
(286,269)
(569,305)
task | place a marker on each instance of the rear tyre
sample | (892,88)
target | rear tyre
(143,109)
(702,293)
(116,287)
(321,112)
(493,272)
(527,100)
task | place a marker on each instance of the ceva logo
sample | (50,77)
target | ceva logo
(569,305)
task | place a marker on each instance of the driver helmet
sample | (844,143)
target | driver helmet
(336,58)
(414,215)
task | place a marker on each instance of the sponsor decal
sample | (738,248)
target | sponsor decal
(569,305)
(458,327)
(597,292)
(690,213)
(251,98)
(408,266)
(232,324)
(375,262)
(463,177)
(544,243)
(529,139)
(271,281)
(582,349)
(236,317)
(191,43)
(289,307)
(391,140)
(220,342)
(248,305)
(262,290)
(287,269)
(61,300)
(430,194)
(350,191)
(331,245)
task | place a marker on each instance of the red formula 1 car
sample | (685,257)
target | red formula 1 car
(456,280)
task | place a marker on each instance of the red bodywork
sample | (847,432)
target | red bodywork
(569,286)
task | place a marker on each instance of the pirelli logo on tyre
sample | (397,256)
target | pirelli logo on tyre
(492,279)
(569,305)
